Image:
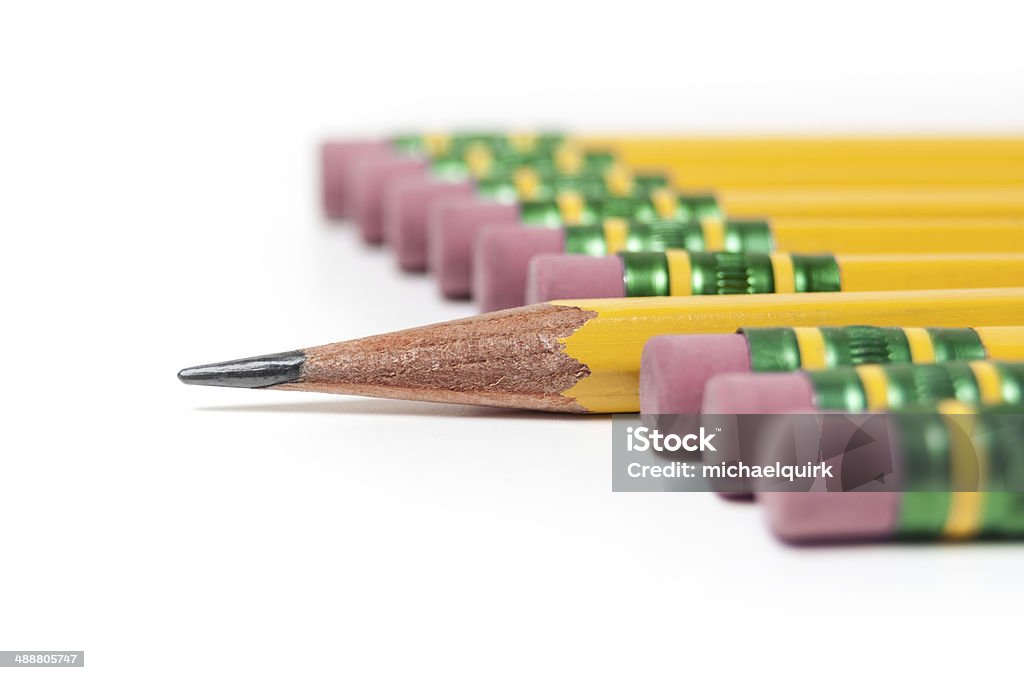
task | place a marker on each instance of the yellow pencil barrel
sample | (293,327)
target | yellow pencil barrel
(925,272)
(1002,343)
(853,235)
(647,150)
(883,202)
(610,343)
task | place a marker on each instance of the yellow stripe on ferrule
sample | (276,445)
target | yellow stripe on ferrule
(990,383)
(714,234)
(570,207)
(876,386)
(782,273)
(665,203)
(619,180)
(680,272)
(811,344)
(616,233)
(967,467)
(527,183)
(922,350)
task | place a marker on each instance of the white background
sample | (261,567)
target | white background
(158,209)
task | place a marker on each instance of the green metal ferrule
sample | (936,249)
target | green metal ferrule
(548,214)
(772,349)
(501,188)
(639,209)
(731,273)
(597,160)
(838,389)
(460,141)
(449,168)
(841,389)
(855,345)
(654,236)
(700,207)
(1001,435)
(1011,382)
(665,234)
(777,349)
(914,384)
(645,183)
(545,142)
(590,186)
(956,344)
(409,144)
(540,213)
(585,240)
(645,274)
(815,274)
(923,443)
(748,236)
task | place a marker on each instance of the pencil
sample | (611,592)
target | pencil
(455,225)
(576,356)
(676,272)
(502,254)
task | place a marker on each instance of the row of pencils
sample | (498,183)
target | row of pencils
(680,276)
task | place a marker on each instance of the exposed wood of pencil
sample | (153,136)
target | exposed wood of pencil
(510,358)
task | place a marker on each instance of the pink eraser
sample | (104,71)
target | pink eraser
(452,227)
(501,260)
(406,204)
(758,393)
(372,175)
(831,516)
(571,277)
(336,157)
(675,368)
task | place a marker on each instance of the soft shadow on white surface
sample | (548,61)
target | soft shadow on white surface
(388,407)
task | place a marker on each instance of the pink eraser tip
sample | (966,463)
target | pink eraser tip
(336,157)
(831,517)
(758,393)
(375,173)
(501,261)
(570,277)
(451,232)
(407,203)
(675,368)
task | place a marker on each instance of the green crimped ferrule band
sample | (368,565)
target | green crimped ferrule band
(540,213)
(993,437)
(658,235)
(816,274)
(842,389)
(449,167)
(772,349)
(721,273)
(645,274)
(699,207)
(924,448)
(731,274)
(956,344)
(408,143)
(778,349)
(1002,437)
(748,236)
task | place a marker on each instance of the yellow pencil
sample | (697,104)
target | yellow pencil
(579,356)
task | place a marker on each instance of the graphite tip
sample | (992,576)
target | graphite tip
(261,371)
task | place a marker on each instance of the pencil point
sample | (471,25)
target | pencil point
(261,371)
